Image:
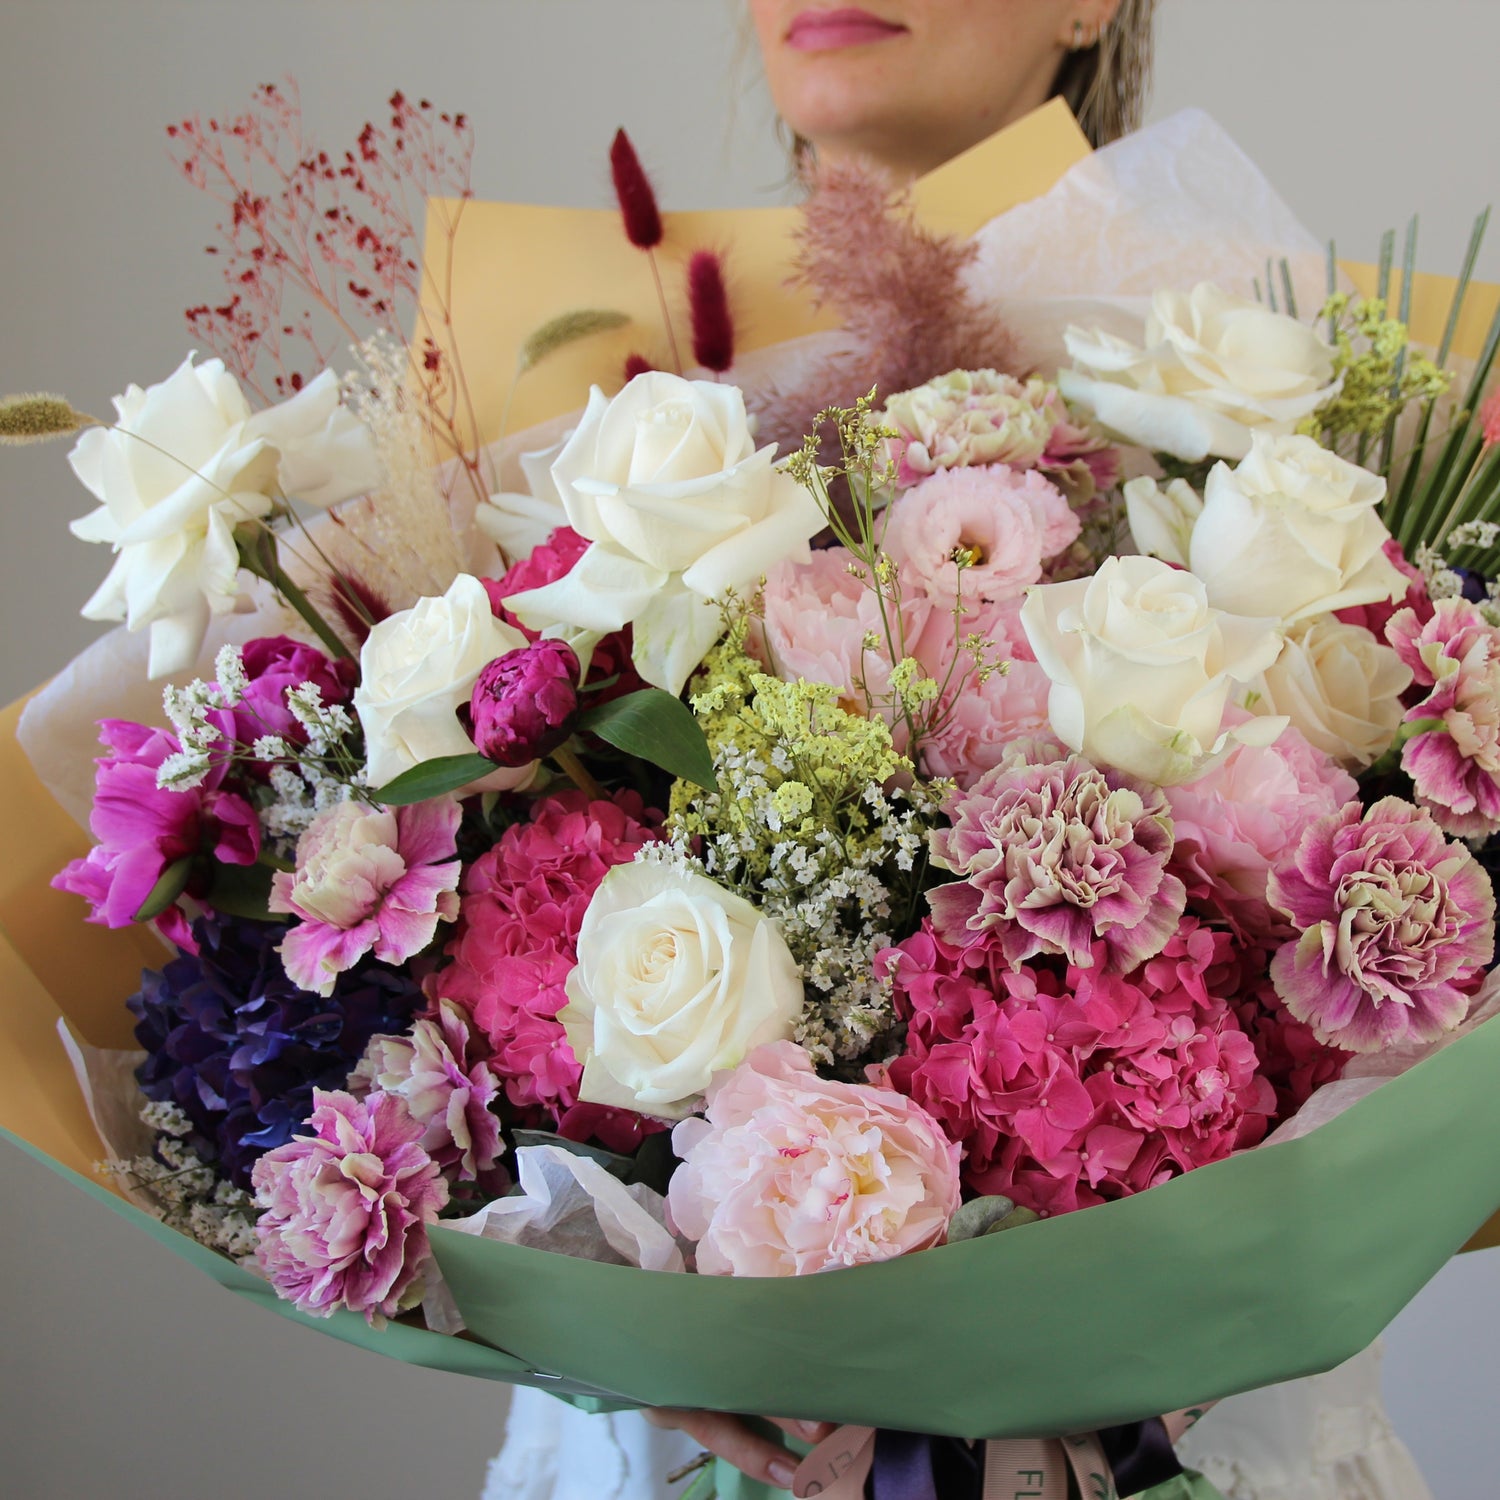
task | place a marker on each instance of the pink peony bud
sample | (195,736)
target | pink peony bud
(524,703)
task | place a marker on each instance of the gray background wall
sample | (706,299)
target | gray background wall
(121,1373)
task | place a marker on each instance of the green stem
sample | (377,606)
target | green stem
(578,774)
(259,556)
(1391,760)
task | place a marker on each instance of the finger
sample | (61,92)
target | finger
(730,1439)
(807,1432)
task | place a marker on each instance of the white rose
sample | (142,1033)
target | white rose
(1141,667)
(1340,686)
(417,668)
(518,524)
(1292,532)
(198,463)
(1162,520)
(680,506)
(676,979)
(1214,369)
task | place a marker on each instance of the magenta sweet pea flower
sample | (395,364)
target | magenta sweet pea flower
(142,829)
(368,879)
(1395,921)
(346,1209)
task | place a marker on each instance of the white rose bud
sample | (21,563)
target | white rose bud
(677,978)
(416,668)
(1162,520)
(1338,685)
(680,506)
(1292,532)
(1214,370)
(1141,667)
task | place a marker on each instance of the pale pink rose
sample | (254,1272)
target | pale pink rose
(792,1173)
(368,878)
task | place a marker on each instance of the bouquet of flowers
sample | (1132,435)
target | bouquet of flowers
(837,824)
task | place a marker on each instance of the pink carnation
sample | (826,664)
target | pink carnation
(791,1173)
(143,830)
(1244,816)
(368,879)
(1058,858)
(517,941)
(1071,1087)
(1396,924)
(1079,459)
(1456,768)
(346,1209)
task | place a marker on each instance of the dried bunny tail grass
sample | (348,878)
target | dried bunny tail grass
(38,417)
(899,290)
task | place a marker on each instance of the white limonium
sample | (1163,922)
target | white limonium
(679,507)
(1212,370)
(186,462)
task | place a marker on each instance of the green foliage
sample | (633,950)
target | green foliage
(657,727)
(433,778)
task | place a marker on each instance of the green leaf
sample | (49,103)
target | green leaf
(658,728)
(169,886)
(242,891)
(986,1216)
(434,778)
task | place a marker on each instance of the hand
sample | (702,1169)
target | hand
(734,1440)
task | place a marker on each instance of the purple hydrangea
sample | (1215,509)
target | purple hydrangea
(524,703)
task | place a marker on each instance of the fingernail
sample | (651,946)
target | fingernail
(782,1474)
(811,1431)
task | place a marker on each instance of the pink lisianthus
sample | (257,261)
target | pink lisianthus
(367,879)
(1243,817)
(1395,925)
(274,665)
(142,829)
(1455,769)
(517,942)
(1058,858)
(346,1209)
(447,1085)
(791,1173)
(1070,1087)
(1375,617)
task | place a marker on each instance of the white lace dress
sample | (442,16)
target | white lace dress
(1324,1438)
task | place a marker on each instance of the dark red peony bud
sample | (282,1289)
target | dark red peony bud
(637,197)
(524,703)
(713,328)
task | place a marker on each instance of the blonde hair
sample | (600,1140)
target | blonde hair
(1106,84)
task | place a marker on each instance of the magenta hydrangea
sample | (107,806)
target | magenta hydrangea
(346,1209)
(524,703)
(1068,1087)
(1395,924)
(1058,858)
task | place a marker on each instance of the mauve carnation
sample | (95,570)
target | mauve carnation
(346,1209)
(1455,769)
(1058,858)
(447,1085)
(142,829)
(969,418)
(524,703)
(274,665)
(368,879)
(1396,924)
(1070,1088)
(791,1173)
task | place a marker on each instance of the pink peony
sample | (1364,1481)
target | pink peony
(791,1173)
(524,703)
(143,830)
(1244,816)
(346,1209)
(446,1084)
(1396,924)
(1070,1087)
(1456,768)
(1001,522)
(274,664)
(367,878)
(1375,617)
(1058,858)
(517,942)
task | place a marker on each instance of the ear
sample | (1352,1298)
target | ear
(1085,21)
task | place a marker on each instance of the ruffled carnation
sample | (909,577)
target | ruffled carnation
(1396,924)
(346,1209)
(791,1173)
(1058,858)
(968,418)
(1070,1087)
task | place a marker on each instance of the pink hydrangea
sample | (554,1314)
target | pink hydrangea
(517,941)
(1292,1059)
(346,1209)
(143,830)
(1456,768)
(1069,1087)
(1002,523)
(447,1085)
(1058,858)
(1395,924)
(1244,816)
(367,879)
(791,1173)
(1375,617)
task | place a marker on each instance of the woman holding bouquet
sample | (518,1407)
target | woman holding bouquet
(908,85)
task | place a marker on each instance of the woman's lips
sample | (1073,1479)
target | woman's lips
(828,30)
